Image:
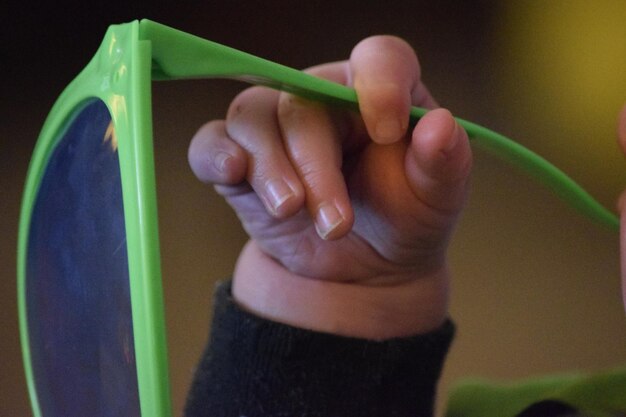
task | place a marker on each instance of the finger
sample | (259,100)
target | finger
(386,76)
(214,157)
(313,140)
(251,122)
(314,147)
(438,162)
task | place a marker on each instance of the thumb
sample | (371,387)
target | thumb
(438,162)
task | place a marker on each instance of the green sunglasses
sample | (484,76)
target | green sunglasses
(89,280)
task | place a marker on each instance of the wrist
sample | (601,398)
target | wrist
(266,288)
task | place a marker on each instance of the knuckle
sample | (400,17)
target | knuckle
(291,107)
(313,173)
(249,102)
(240,104)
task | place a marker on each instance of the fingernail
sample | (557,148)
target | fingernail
(277,193)
(328,218)
(388,130)
(220,161)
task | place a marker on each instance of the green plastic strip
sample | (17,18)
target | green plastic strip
(543,171)
(179,55)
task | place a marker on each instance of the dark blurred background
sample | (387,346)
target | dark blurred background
(536,285)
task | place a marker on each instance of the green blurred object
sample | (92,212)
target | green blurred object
(601,394)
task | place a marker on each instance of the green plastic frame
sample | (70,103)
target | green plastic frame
(120,74)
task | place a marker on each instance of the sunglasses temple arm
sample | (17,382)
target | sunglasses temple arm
(179,55)
(541,170)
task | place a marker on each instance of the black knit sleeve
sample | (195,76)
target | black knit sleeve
(258,368)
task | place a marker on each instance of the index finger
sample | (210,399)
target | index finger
(386,76)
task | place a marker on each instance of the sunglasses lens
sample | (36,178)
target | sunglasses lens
(77,281)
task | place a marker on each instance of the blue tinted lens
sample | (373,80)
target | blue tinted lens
(77,280)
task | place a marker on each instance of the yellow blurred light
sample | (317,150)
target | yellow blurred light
(575,51)
(566,66)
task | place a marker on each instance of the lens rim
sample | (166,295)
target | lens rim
(119,75)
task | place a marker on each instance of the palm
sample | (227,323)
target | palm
(394,231)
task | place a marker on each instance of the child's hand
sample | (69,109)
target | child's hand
(348,216)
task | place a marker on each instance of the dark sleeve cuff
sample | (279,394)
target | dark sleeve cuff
(254,367)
